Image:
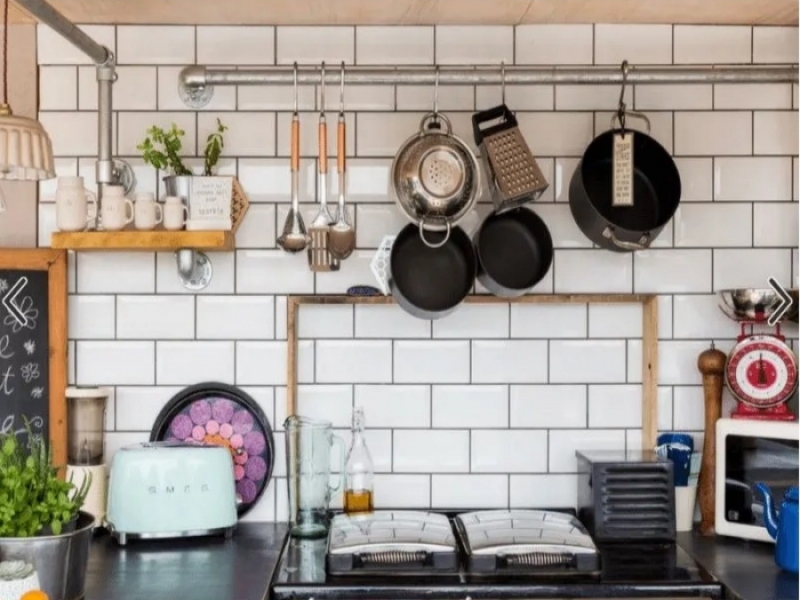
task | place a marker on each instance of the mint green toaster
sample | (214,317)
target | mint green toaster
(169,490)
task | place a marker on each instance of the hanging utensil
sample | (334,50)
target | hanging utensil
(514,175)
(435,176)
(626,187)
(294,237)
(342,237)
(319,257)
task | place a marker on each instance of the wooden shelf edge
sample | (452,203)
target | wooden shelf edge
(421,12)
(143,240)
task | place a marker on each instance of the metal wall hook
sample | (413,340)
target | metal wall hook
(621,106)
(194,268)
(436,93)
(502,82)
(322,87)
(341,92)
(295,88)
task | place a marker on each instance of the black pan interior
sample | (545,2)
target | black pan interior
(656,182)
(515,248)
(433,279)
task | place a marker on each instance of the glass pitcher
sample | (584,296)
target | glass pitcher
(308,467)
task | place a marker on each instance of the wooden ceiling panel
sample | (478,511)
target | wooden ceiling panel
(422,12)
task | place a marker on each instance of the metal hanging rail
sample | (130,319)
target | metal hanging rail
(197,82)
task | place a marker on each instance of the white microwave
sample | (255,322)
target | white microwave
(750,451)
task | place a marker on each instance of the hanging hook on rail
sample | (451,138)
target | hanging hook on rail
(502,82)
(295,88)
(341,92)
(621,108)
(436,93)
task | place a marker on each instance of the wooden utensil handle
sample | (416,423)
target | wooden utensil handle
(295,150)
(341,142)
(323,147)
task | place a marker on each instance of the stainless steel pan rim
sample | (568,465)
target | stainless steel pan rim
(435,176)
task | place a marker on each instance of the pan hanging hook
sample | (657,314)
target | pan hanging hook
(341,92)
(621,108)
(322,86)
(295,88)
(436,94)
(502,82)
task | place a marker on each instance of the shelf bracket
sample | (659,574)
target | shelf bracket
(194,268)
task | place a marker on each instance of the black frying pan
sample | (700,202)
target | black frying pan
(514,250)
(428,282)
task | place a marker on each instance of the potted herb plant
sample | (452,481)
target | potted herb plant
(161,149)
(41,522)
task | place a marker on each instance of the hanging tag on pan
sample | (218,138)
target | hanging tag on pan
(622,169)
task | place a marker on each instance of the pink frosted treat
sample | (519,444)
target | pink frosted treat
(237,441)
(242,421)
(247,489)
(181,426)
(212,427)
(238,472)
(226,431)
(256,468)
(222,410)
(200,412)
(240,459)
(198,432)
(254,442)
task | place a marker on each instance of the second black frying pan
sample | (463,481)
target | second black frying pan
(514,250)
(430,282)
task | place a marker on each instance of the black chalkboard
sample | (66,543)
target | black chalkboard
(24,373)
(33,344)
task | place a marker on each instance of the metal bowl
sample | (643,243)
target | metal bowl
(754,304)
(435,177)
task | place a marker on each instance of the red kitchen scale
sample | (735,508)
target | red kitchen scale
(761,369)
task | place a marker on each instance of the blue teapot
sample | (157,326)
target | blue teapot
(783,526)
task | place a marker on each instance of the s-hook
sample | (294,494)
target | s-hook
(621,107)
(502,82)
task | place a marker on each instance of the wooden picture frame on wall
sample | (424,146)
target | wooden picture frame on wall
(649,304)
(54,262)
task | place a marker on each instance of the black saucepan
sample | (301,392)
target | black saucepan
(432,273)
(514,250)
(656,193)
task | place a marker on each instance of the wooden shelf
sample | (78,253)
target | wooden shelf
(420,12)
(143,240)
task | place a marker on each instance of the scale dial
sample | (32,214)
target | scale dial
(761,371)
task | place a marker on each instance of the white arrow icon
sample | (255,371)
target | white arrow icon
(784,306)
(10,301)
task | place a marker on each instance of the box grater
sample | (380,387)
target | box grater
(514,176)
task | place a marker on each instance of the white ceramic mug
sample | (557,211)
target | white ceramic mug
(116,209)
(76,207)
(147,213)
(175,213)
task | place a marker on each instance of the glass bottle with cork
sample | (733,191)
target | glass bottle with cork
(359,470)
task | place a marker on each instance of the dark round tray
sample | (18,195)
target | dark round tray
(221,414)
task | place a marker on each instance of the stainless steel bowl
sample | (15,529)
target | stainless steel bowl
(753,304)
(435,176)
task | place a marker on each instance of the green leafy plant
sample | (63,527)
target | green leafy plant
(214,145)
(33,499)
(161,149)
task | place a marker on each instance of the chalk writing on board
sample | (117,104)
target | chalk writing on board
(29,372)
(24,352)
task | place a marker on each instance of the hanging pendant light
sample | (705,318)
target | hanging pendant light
(26,152)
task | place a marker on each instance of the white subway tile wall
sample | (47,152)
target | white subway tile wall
(486,407)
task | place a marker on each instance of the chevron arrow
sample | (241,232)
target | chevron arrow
(784,306)
(10,301)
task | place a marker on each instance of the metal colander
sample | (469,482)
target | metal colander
(435,176)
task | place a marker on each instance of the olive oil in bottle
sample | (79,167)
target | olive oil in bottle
(359,470)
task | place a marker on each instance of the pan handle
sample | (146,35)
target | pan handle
(643,244)
(430,244)
(630,113)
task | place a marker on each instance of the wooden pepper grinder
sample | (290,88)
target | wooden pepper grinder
(711,364)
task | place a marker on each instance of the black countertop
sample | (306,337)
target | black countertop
(746,569)
(187,569)
(241,569)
